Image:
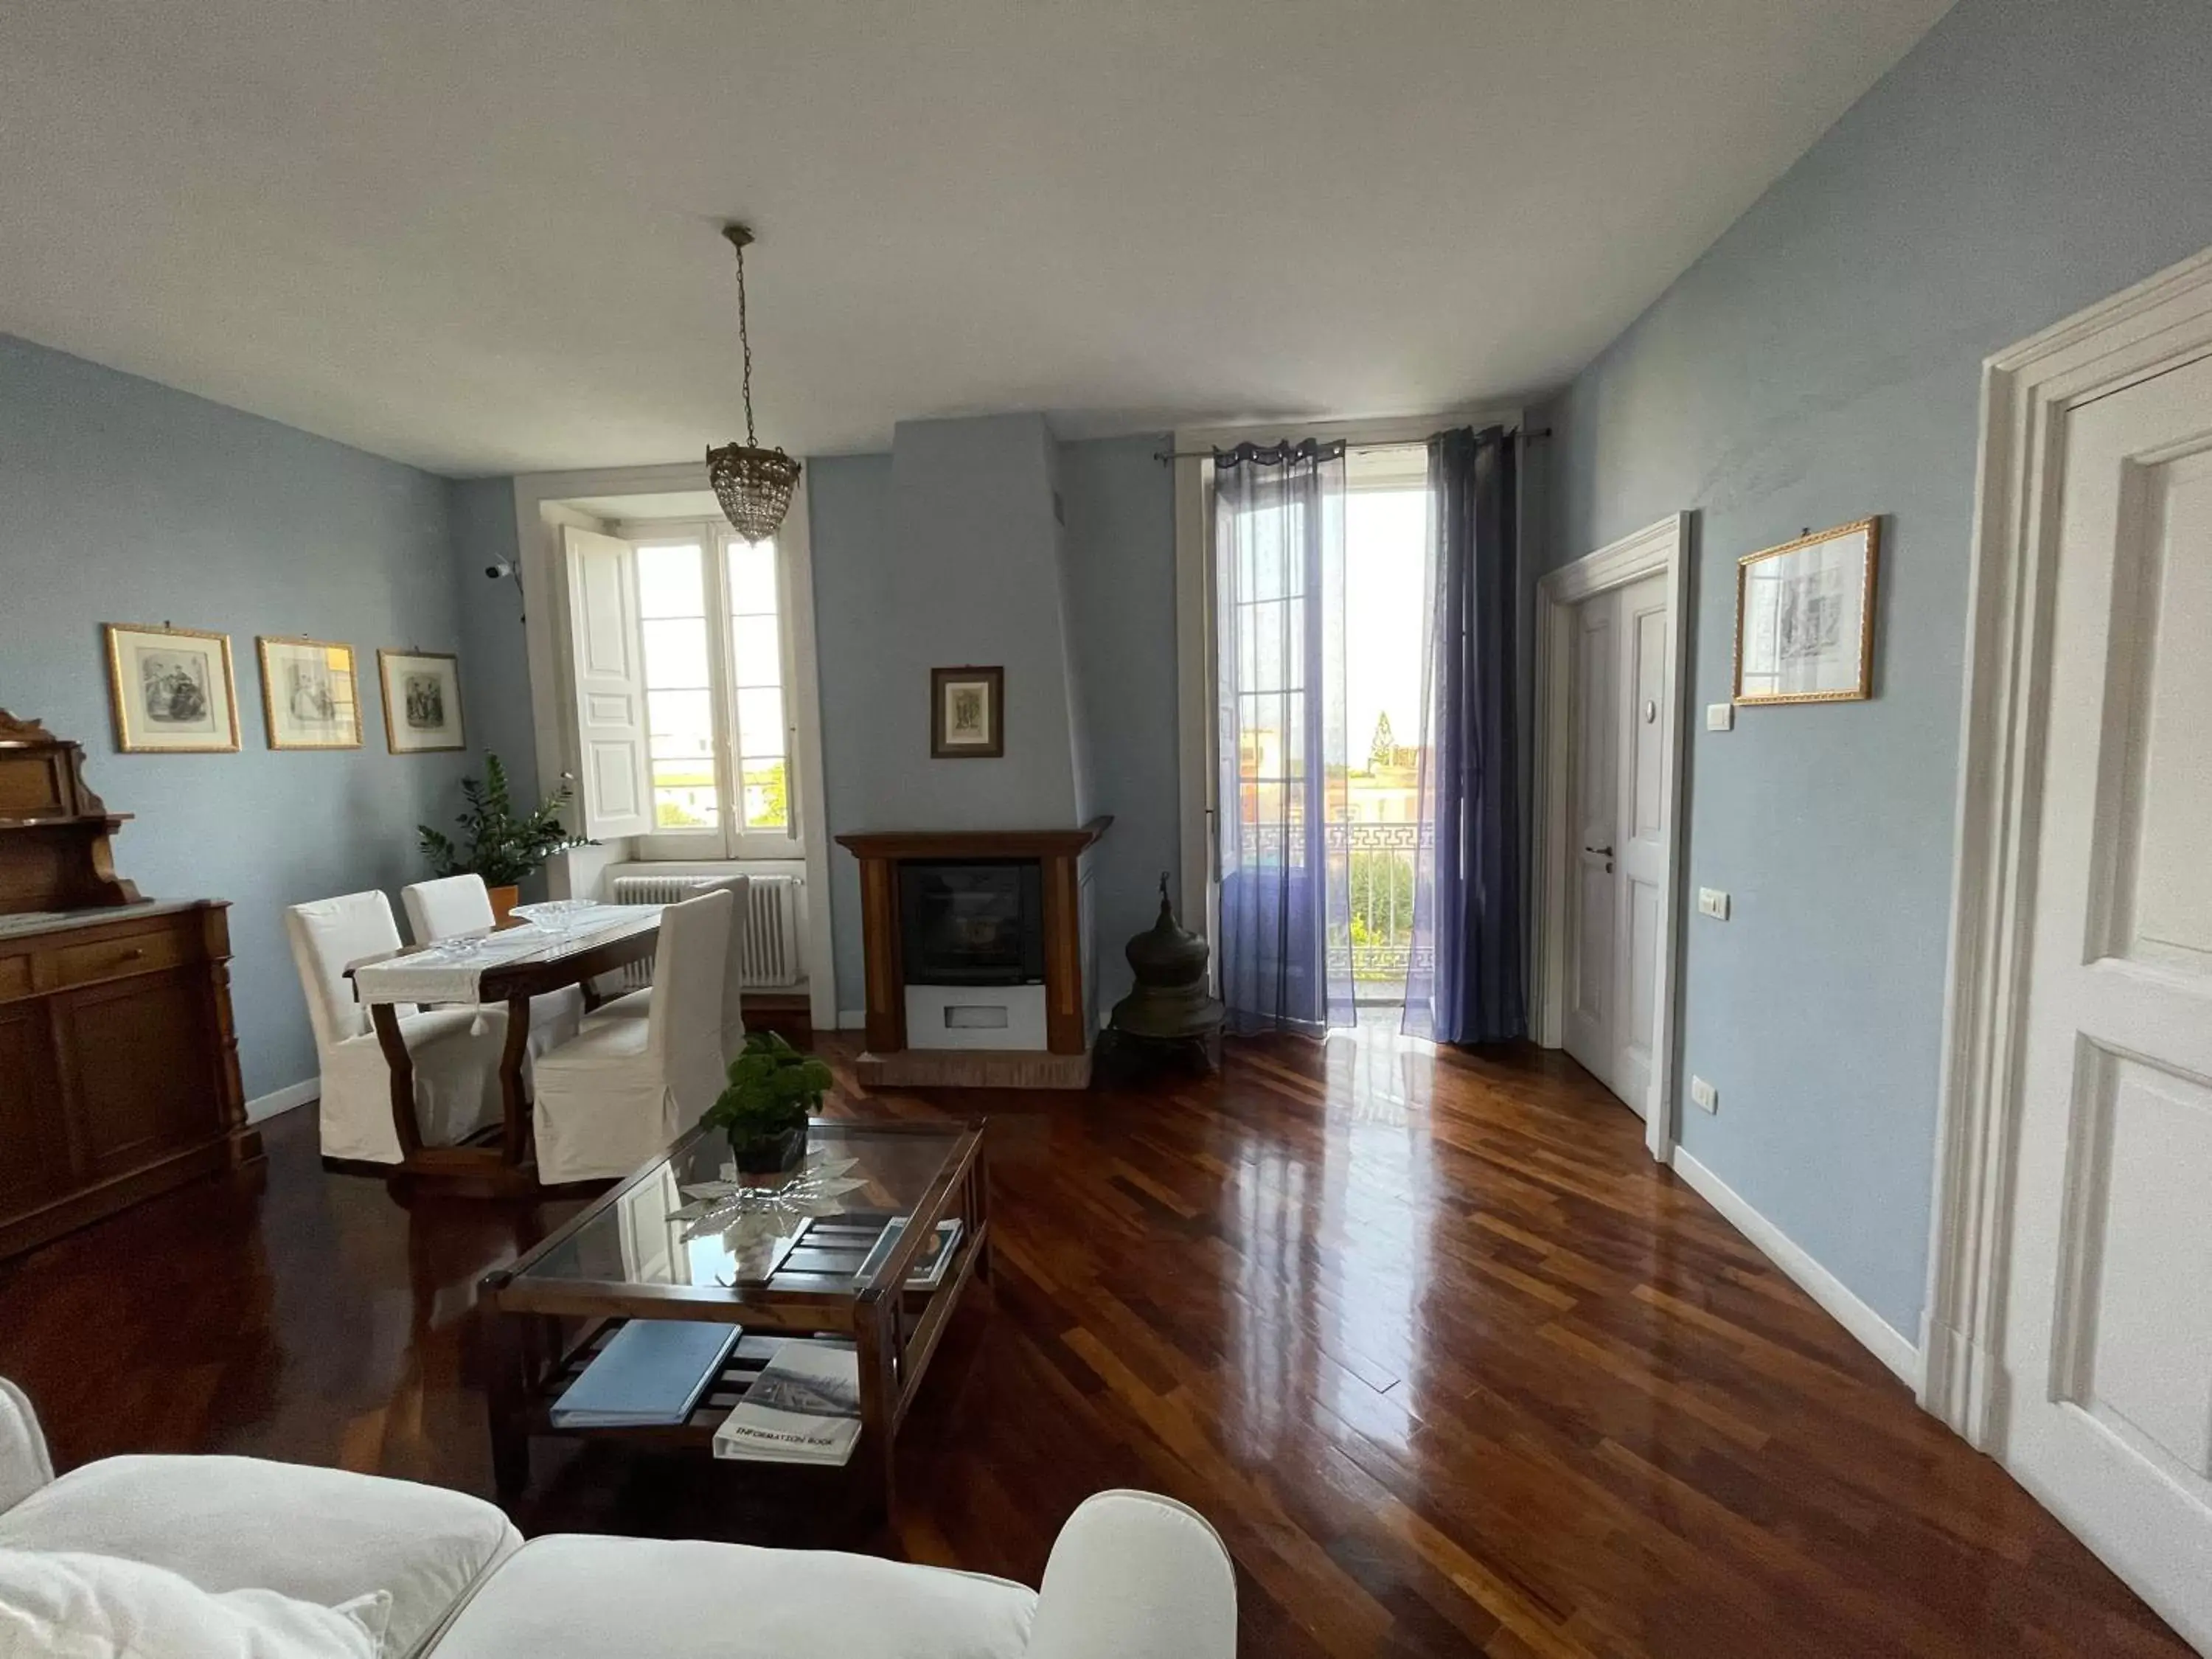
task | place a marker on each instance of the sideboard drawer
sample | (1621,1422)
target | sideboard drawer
(14,977)
(106,958)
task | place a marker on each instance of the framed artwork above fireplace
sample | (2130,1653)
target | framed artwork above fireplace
(966,713)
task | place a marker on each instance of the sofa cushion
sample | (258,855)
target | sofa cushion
(689,1600)
(98,1607)
(323,1535)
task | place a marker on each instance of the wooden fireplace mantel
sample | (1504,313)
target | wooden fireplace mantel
(974,843)
(1058,852)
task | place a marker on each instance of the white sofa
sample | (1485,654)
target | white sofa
(1132,1576)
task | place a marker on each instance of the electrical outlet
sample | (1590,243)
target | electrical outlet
(1712,901)
(1704,1095)
(1720,717)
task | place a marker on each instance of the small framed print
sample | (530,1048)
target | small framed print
(308,693)
(1804,617)
(173,691)
(422,700)
(966,713)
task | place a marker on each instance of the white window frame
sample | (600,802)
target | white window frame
(731,839)
(544,501)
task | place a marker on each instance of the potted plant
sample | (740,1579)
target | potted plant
(773,1090)
(497,845)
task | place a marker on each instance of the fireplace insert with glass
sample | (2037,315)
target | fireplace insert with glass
(973,921)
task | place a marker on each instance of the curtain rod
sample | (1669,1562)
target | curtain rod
(1167,457)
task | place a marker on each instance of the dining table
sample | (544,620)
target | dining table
(560,945)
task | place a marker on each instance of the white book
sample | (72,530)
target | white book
(804,1407)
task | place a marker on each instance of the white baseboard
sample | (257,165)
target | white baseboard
(852,1019)
(262,1108)
(1876,1334)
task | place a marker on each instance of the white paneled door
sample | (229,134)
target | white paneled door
(2108,1328)
(1619,802)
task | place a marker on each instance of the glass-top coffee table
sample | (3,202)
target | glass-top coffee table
(784,1258)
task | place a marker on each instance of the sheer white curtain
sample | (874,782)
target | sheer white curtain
(1278,591)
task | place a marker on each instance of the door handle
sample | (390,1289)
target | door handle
(1599,852)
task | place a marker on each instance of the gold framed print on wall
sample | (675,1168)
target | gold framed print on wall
(1804,617)
(966,714)
(309,696)
(421,701)
(171,689)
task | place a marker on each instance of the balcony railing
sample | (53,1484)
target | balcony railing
(1377,949)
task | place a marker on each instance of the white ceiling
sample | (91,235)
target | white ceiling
(481,236)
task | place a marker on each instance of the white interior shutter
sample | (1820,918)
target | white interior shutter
(610,674)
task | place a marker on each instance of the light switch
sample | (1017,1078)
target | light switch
(1704,1095)
(1720,717)
(1712,901)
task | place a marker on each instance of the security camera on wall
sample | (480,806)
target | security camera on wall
(501,568)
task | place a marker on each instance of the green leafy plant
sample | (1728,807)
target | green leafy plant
(773,1090)
(495,843)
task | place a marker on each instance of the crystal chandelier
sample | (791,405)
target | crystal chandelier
(752,483)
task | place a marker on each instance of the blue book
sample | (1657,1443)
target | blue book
(651,1372)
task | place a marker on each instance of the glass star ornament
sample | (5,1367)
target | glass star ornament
(749,1214)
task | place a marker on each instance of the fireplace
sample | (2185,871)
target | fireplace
(978,946)
(973,921)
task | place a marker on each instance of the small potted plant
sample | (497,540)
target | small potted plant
(773,1090)
(502,848)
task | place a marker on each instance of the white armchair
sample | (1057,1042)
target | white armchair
(613,1097)
(453,906)
(1132,1576)
(456,1051)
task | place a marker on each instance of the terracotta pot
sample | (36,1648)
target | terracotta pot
(503,901)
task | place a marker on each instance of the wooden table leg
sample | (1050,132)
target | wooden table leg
(385,1019)
(506,1389)
(879,1395)
(515,1102)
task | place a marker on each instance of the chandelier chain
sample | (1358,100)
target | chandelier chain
(745,342)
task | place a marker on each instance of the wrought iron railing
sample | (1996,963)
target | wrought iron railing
(1377,946)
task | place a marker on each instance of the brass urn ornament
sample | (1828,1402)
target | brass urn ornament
(752,483)
(1170,1004)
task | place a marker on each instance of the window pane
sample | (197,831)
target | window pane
(682,723)
(676,655)
(669,582)
(752,578)
(768,803)
(760,722)
(757,651)
(684,795)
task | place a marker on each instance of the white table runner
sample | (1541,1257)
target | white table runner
(453,969)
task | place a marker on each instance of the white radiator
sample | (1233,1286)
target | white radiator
(774,953)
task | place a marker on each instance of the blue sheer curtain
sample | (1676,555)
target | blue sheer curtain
(1278,592)
(1466,984)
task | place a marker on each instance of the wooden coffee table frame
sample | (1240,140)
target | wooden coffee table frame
(540,1332)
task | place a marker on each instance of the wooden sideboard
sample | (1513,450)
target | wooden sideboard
(118,1062)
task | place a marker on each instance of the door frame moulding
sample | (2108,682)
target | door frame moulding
(2027,393)
(1659,549)
(539,515)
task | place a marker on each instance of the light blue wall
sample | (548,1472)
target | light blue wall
(877,638)
(495,660)
(1821,363)
(123,500)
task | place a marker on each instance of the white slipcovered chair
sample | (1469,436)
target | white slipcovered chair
(638,1004)
(609,1100)
(456,1051)
(453,906)
(1132,1574)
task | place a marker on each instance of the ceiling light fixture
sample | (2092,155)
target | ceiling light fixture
(752,483)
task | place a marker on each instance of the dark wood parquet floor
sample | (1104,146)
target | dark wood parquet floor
(1453,1365)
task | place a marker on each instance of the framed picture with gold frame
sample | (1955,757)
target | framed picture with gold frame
(1804,617)
(172,689)
(421,701)
(310,695)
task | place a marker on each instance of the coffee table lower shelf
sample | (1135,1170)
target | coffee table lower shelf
(539,1353)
